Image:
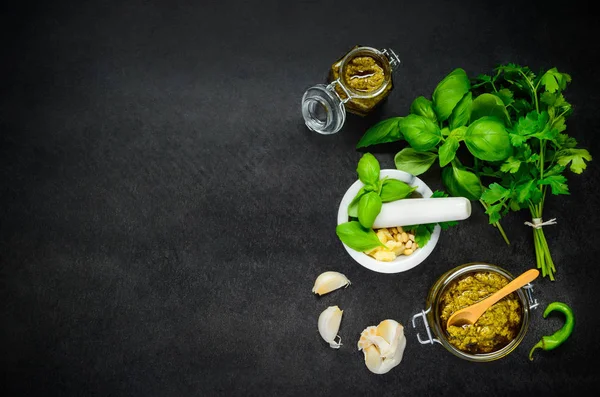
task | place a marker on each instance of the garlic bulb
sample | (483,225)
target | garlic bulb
(329,325)
(383,346)
(329,281)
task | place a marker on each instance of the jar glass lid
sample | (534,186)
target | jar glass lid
(323,110)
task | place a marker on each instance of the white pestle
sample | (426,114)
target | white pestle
(419,211)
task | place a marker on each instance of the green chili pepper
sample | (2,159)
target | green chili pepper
(556,339)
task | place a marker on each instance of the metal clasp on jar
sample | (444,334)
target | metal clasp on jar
(392,57)
(533,303)
(430,339)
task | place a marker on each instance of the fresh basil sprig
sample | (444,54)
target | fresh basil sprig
(367,203)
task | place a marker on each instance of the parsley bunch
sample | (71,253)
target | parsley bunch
(542,151)
(512,123)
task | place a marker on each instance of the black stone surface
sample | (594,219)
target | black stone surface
(164,211)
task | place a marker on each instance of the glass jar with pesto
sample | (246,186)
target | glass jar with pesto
(496,333)
(358,82)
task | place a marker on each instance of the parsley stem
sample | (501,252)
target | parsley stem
(542,251)
(542,161)
(493,86)
(538,254)
(497,225)
(533,91)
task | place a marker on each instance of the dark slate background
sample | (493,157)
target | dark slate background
(164,211)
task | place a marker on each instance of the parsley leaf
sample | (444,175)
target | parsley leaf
(506,95)
(493,212)
(553,80)
(574,156)
(494,193)
(554,170)
(532,123)
(511,165)
(516,140)
(438,194)
(557,184)
(565,141)
(523,190)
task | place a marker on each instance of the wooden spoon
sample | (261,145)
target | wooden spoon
(470,314)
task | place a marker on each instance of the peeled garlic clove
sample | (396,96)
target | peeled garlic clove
(329,281)
(382,356)
(387,330)
(329,325)
(373,360)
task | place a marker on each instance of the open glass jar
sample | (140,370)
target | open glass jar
(358,82)
(435,325)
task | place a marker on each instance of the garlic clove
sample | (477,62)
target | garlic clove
(383,346)
(365,337)
(388,329)
(329,325)
(372,359)
(370,338)
(329,281)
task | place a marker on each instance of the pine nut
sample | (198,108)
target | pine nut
(411,236)
(409,244)
(404,237)
(408,251)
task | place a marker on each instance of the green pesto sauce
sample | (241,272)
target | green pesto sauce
(499,324)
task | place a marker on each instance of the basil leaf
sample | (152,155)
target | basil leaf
(357,237)
(423,107)
(393,189)
(383,132)
(461,183)
(413,162)
(459,133)
(489,105)
(368,169)
(420,132)
(448,150)
(449,92)
(487,139)
(353,206)
(462,112)
(369,207)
